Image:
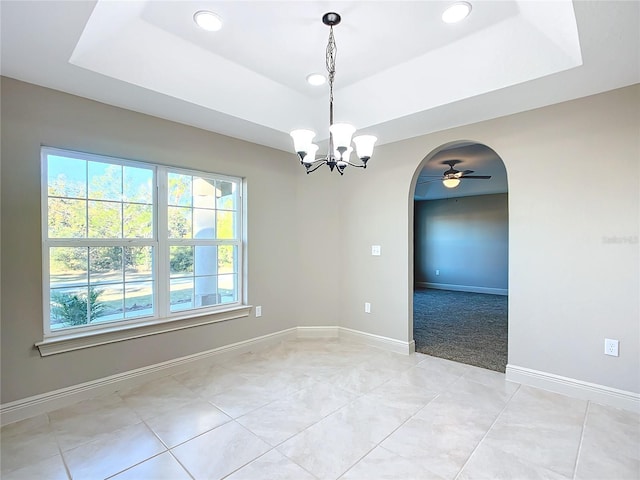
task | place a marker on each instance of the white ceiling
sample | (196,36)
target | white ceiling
(401,72)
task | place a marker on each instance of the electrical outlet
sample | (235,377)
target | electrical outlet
(367,307)
(611,347)
(258,311)
(375,250)
(437,272)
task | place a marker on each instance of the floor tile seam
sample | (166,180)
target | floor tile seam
(479,382)
(283,441)
(415,461)
(248,463)
(95,436)
(410,417)
(209,367)
(276,447)
(229,414)
(292,460)
(376,445)
(135,464)
(520,458)
(181,464)
(48,457)
(289,397)
(497,399)
(165,448)
(266,453)
(20,467)
(250,380)
(305,428)
(203,396)
(584,426)
(437,395)
(550,467)
(169,448)
(64,461)
(127,406)
(4,430)
(219,409)
(485,435)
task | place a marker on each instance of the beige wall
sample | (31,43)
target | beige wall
(34,116)
(573,172)
(310,236)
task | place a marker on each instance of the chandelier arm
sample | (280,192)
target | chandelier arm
(311,170)
(318,160)
(357,165)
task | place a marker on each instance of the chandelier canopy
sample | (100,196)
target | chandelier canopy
(339,133)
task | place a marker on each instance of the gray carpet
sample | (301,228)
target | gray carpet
(464,327)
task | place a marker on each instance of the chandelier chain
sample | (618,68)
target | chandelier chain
(332,50)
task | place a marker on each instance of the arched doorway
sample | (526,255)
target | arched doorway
(460,255)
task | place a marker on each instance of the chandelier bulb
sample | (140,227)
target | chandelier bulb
(364,146)
(341,133)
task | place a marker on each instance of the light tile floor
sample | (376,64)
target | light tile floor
(318,409)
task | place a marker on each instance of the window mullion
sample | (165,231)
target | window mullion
(162,229)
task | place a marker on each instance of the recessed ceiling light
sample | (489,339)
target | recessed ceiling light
(456,12)
(316,79)
(208,21)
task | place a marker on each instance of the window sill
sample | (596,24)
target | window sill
(78,341)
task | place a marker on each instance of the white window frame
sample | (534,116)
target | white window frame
(73,338)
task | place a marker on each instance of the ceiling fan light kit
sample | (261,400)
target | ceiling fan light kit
(452,177)
(340,134)
(451,182)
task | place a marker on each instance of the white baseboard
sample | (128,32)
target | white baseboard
(575,388)
(318,332)
(38,404)
(463,288)
(385,343)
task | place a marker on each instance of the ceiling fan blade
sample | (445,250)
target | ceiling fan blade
(466,172)
(478,177)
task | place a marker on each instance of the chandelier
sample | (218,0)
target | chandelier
(339,133)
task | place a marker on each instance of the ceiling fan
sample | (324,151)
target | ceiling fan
(451,178)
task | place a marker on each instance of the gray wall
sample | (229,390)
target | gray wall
(278,222)
(466,239)
(570,285)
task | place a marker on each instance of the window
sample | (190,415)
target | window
(128,242)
